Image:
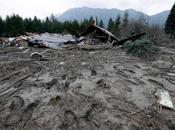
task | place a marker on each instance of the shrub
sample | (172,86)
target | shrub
(142,48)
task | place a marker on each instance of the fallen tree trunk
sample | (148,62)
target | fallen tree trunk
(133,38)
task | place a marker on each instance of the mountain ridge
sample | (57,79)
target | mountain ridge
(80,13)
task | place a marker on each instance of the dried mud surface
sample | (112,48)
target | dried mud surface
(84,90)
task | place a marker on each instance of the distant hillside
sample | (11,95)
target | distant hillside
(159,18)
(104,14)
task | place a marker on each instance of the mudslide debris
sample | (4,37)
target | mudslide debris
(164,98)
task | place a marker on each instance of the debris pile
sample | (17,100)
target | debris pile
(93,35)
(79,89)
(54,41)
(84,86)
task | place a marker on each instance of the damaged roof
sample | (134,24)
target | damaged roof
(93,27)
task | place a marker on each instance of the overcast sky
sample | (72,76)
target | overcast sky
(43,8)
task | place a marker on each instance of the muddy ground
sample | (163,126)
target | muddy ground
(84,90)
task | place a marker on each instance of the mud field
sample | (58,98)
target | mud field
(84,90)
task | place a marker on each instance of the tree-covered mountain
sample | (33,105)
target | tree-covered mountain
(159,18)
(104,14)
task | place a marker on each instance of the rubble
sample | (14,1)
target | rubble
(54,41)
(73,83)
(97,32)
(20,41)
(93,35)
(102,89)
(36,56)
(164,99)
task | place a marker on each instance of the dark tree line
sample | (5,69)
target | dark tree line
(119,25)
(15,25)
(170,23)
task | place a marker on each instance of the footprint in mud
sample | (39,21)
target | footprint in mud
(26,116)
(115,126)
(13,119)
(70,120)
(55,101)
(63,77)
(28,110)
(102,84)
(16,103)
(135,81)
(32,105)
(137,66)
(72,77)
(122,73)
(66,85)
(93,72)
(51,83)
(129,71)
(1,125)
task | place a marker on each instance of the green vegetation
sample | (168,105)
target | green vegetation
(101,24)
(116,26)
(142,48)
(110,24)
(15,25)
(170,23)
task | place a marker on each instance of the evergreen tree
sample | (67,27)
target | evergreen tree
(110,24)
(116,26)
(84,24)
(124,26)
(52,17)
(14,25)
(36,25)
(97,21)
(1,26)
(91,19)
(56,26)
(28,24)
(170,22)
(125,19)
(101,24)
(75,27)
(67,25)
(47,25)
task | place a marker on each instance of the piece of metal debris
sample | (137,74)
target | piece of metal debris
(171,74)
(26,50)
(53,41)
(36,56)
(62,63)
(164,98)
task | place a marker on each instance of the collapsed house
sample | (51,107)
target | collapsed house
(54,41)
(97,33)
(94,34)
(100,34)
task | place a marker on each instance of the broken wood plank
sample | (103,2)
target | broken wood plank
(133,38)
